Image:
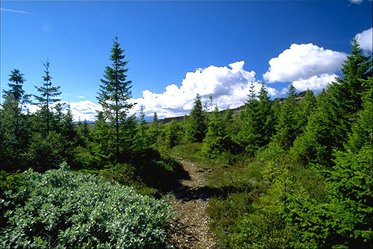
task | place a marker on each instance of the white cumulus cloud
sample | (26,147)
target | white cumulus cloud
(365,39)
(356,1)
(315,83)
(228,86)
(303,61)
(84,110)
(81,110)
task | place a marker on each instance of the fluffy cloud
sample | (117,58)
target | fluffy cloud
(81,110)
(228,87)
(303,61)
(84,110)
(365,39)
(356,1)
(315,83)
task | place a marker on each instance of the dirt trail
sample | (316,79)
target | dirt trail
(190,227)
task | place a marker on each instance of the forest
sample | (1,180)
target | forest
(294,172)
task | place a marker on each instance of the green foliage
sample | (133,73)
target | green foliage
(216,138)
(14,131)
(336,110)
(16,81)
(45,152)
(173,134)
(48,94)
(115,93)
(102,145)
(64,209)
(83,134)
(197,121)
(351,186)
(306,106)
(15,135)
(322,133)
(362,130)
(257,122)
(286,127)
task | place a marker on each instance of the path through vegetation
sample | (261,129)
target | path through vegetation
(190,227)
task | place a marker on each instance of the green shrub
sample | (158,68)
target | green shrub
(64,209)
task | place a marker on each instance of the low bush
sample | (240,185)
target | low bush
(72,210)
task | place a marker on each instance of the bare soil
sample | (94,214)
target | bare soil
(190,227)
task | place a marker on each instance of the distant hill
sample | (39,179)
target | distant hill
(299,96)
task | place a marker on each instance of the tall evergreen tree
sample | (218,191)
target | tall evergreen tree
(214,142)
(348,89)
(173,134)
(198,125)
(306,107)
(286,123)
(142,120)
(155,118)
(257,121)
(265,117)
(16,81)
(15,130)
(115,91)
(48,95)
(141,137)
(336,110)
(351,183)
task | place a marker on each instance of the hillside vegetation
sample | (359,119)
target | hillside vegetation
(289,173)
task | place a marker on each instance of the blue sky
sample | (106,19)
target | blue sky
(179,48)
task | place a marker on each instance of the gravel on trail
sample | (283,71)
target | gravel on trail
(190,226)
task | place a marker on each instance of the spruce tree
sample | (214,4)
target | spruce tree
(197,121)
(257,121)
(141,137)
(155,118)
(102,141)
(335,112)
(265,117)
(15,128)
(48,95)
(115,92)
(83,135)
(214,142)
(348,89)
(173,134)
(286,123)
(16,81)
(306,107)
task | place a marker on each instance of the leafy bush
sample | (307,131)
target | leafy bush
(64,209)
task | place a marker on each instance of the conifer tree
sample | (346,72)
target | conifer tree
(48,95)
(15,128)
(115,92)
(155,118)
(16,81)
(257,121)
(351,184)
(83,135)
(142,120)
(197,121)
(173,134)
(348,89)
(265,117)
(141,132)
(214,142)
(336,110)
(286,123)
(306,107)
(102,140)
